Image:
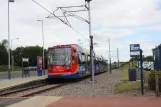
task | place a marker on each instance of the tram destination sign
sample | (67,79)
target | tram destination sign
(134,50)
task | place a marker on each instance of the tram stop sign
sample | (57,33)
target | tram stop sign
(134,50)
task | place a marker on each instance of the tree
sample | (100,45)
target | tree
(148,58)
(3,52)
(27,52)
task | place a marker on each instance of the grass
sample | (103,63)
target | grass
(4,68)
(129,86)
(126,85)
(124,76)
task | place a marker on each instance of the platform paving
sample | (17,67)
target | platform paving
(107,102)
(6,83)
(9,101)
(52,101)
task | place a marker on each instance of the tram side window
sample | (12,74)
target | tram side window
(73,56)
(88,59)
(97,60)
(79,58)
(83,58)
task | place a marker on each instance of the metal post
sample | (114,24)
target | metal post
(91,37)
(12,63)
(157,84)
(157,79)
(118,58)
(132,62)
(12,54)
(28,67)
(92,57)
(142,77)
(138,68)
(91,45)
(43,47)
(109,56)
(9,72)
(22,68)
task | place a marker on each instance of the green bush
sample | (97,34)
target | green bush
(4,68)
(151,80)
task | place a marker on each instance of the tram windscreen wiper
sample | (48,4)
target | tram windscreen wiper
(66,61)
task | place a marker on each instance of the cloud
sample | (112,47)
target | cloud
(127,13)
(113,19)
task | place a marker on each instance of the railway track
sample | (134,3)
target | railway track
(30,91)
(33,90)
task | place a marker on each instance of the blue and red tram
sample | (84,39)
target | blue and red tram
(71,62)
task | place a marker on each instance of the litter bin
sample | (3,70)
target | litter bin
(132,74)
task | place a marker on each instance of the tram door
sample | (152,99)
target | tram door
(89,68)
(74,58)
(82,64)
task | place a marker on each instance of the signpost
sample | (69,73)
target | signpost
(25,67)
(135,51)
(141,73)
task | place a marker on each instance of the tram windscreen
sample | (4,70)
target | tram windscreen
(59,56)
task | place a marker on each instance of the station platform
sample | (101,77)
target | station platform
(6,83)
(51,101)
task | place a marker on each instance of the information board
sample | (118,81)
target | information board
(134,50)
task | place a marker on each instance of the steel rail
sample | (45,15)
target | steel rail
(20,90)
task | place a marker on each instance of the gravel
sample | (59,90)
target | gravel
(104,86)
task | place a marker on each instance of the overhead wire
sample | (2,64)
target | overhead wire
(52,13)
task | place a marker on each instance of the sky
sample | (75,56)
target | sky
(125,22)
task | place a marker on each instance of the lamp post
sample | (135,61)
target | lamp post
(118,58)
(12,54)
(43,44)
(91,40)
(91,44)
(109,55)
(9,72)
